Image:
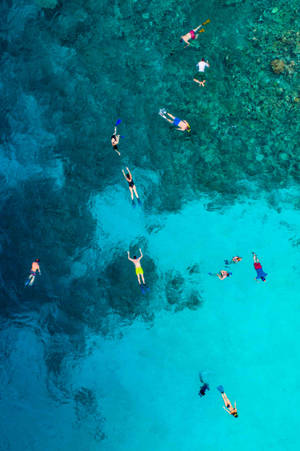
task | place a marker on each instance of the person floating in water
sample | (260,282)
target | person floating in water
(235,259)
(228,406)
(138,269)
(35,268)
(115,141)
(260,273)
(193,34)
(204,387)
(201,68)
(182,125)
(132,188)
(223,274)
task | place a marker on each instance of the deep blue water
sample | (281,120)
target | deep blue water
(87,361)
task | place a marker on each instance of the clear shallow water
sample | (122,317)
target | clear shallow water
(86,361)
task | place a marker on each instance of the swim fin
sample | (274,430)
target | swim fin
(201,31)
(220,388)
(144,289)
(133,203)
(27,283)
(207,21)
(118,122)
(139,201)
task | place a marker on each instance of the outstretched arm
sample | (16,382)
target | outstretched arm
(255,259)
(129,256)
(129,172)
(124,174)
(141,253)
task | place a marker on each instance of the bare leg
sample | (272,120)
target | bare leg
(201,83)
(131,192)
(142,275)
(226,400)
(31,278)
(135,192)
(138,277)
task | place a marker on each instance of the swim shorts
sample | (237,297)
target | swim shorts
(176,121)
(257,265)
(139,270)
(200,76)
(192,33)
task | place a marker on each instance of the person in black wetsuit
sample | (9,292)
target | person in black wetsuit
(131,185)
(203,387)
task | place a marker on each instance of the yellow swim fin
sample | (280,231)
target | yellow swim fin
(201,31)
(207,21)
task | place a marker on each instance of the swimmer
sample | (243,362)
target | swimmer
(223,274)
(201,68)
(260,273)
(182,125)
(35,268)
(228,406)
(115,141)
(193,34)
(138,269)
(204,386)
(132,188)
(235,259)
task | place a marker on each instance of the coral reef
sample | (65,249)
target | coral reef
(278,66)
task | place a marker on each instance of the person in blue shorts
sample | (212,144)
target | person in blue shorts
(259,271)
(182,125)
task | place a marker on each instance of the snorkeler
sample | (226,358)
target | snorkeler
(235,259)
(260,273)
(228,406)
(221,274)
(193,34)
(201,68)
(204,386)
(138,269)
(35,268)
(132,188)
(115,141)
(182,125)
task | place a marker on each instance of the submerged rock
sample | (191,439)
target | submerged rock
(278,66)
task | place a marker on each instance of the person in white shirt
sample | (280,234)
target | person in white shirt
(201,68)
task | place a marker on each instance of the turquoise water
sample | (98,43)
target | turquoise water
(88,362)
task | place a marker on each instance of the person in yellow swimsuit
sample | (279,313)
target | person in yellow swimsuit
(138,269)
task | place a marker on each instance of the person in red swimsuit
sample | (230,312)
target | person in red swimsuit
(193,33)
(257,266)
